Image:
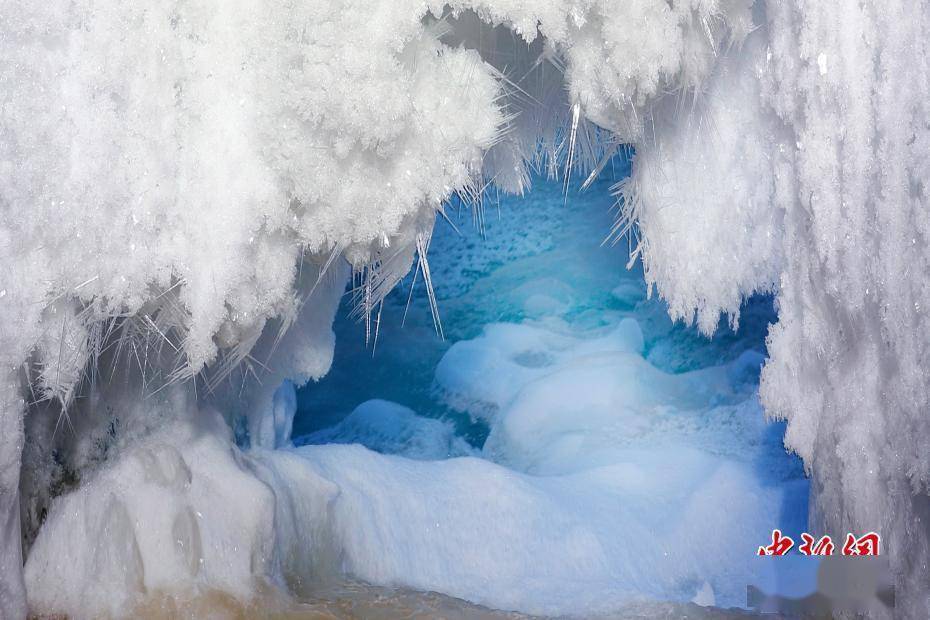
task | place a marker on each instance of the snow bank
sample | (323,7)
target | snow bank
(583,543)
(595,487)
(595,490)
(178,513)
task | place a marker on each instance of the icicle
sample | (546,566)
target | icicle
(576,114)
(422,248)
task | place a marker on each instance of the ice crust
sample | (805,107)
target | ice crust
(177,512)
(186,188)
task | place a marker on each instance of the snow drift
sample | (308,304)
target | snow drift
(185,189)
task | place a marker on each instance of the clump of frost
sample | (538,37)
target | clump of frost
(701,194)
(802,171)
(215,148)
(614,71)
(849,365)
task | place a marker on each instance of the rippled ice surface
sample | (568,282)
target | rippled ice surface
(566,449)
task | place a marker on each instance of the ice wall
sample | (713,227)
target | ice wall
(179,512)
(849,359)
(802,165)
(171,175)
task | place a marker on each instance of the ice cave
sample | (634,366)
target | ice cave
(464,309)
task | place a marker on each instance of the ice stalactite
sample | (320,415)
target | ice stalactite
(849,358)
(813,167)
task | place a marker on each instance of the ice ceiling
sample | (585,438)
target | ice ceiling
(186,187)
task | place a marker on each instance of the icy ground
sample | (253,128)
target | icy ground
(609,455)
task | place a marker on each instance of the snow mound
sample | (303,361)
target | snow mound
(563,513)
(593,492)
(582,543)
(390,428)
(178,513)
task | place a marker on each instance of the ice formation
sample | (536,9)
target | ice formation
(592,490)
(186,188)
(825,178)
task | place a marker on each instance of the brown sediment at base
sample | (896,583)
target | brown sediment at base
(349,600)
(343,601)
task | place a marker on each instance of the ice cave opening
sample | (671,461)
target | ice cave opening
(517,426)
(550,441)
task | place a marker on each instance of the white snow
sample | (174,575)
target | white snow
(178,512)
(600,484)
(389,428)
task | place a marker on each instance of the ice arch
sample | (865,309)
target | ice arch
(188,206)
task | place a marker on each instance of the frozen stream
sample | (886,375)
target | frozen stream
(565,449)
